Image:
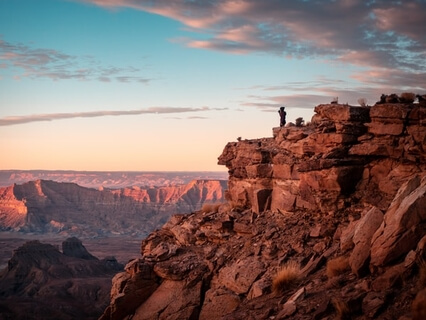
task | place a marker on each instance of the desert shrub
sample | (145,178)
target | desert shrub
(287,276)
(336,266)
(408,97)
(237,206)
(362,102)
(210,207)
(299,122)
(342,309)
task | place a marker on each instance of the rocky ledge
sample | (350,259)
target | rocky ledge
(322,221)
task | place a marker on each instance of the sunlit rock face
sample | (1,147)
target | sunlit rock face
(71,210)
(345,153)
(342,199)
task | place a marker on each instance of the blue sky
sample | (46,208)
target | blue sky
(164,85)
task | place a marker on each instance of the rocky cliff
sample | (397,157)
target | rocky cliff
(69,209)
(41,282)
(322,221)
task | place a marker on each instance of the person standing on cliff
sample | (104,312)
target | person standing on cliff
(282,114)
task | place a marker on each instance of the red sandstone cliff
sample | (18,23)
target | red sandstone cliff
(343,199)
(66,208)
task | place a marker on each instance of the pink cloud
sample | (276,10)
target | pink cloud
(408,19)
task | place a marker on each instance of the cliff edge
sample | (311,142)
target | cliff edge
(322,221)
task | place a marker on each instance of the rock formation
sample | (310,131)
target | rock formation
(342,199)
(43,283)
(71,210)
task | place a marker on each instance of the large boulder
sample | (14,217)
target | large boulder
(363,234)
(403,225)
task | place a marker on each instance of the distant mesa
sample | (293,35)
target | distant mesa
(67,209)
(73,247)
(41,282)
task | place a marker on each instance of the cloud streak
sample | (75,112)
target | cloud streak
(13,120)
(55,65)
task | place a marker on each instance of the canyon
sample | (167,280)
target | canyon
(67,209)
(39,281)
(42,282)
(322,221)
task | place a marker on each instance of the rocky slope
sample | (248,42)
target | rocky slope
(43,283)
(71,210)
(322,221)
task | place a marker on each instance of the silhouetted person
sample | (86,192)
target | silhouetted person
(282,114)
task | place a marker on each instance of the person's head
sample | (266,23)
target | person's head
(282,108)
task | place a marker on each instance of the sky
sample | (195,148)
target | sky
(145,85)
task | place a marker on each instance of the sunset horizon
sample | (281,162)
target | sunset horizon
(126,85)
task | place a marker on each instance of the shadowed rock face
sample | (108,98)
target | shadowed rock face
(68,209)
(342,198)
(40,282)
(73,247)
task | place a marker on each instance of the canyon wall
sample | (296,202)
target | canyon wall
(323,221)
(346,155)
(71,210)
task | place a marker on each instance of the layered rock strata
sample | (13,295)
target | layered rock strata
(71,210)
(344,155)
(341,199)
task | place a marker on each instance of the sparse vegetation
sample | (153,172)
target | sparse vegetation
(299,122)
(342,309)
(287,276)
(210,207)
(236,206)
(407,97)
(336,266)
(362,102)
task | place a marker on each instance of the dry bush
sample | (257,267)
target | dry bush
(408,97)
(237,206)
(300,122)
(210,207)
(287,276)
(336,266)
(362,102)
(342,309)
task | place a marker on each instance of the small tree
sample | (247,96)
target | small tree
(299,122)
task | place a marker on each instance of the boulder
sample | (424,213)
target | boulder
(363,233)
(172,300)
(218,303)
(240,276)
(403,224)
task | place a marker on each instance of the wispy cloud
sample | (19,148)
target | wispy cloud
(306,95)
(13,120)
(56,65)
(375,34)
